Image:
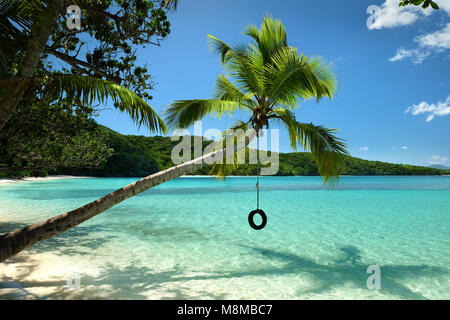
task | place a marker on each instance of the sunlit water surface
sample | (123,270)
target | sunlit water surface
(190,239)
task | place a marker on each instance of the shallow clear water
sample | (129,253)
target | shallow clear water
(189,238)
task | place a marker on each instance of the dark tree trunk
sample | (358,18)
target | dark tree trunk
(40,34)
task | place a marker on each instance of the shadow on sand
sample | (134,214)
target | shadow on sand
(132,282)
(74,241)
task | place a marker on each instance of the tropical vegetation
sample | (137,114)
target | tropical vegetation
(35,37)
(139,156)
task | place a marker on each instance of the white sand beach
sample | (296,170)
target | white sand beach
(56,177)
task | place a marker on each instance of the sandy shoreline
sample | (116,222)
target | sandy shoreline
(15,180)
(4,181)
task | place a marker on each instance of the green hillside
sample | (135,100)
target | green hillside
(439,166)
(136,156)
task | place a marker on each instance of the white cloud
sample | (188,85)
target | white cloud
(417,56)
(444,5)
(403,148)
(437,159)
(439,40)
(390,15)
(439,109)
(364,148)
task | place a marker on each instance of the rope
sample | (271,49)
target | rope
(257,174)
(257,192)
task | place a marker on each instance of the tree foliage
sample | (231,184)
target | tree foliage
(96,60)
(424,3)
(42,138)
(136,156)
(119,28)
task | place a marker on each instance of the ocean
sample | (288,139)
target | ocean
(190,239)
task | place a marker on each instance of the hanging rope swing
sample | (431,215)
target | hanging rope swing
(258,210)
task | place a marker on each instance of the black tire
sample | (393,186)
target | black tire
(252,223)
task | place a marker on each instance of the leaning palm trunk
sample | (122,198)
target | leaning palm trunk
(14,242)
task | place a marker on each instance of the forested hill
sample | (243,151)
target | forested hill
(136,156)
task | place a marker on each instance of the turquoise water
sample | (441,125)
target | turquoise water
(190,239)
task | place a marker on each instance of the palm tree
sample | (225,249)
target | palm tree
(270,79)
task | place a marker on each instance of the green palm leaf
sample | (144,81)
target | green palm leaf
(221,48)
(89,89)
(243,63)
(183,113)
(324,145)
(269,38)
(295,77)
(225,90)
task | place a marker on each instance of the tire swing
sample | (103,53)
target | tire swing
(258,210)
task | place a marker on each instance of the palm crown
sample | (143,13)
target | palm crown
(267,78)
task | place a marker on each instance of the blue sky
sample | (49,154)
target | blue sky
(393,71)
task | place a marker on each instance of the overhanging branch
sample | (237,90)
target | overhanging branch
(76,63)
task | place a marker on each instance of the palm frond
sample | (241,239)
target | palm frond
(89,89)
(225,90)
(17,15)
(293,77)
(324,145)
(325,148)
(15,24)
(242,62)
(246,67)
(183,113)
(170,4)
(269,38)
(21,23)
(325,76)
(287,118)
(220,48)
